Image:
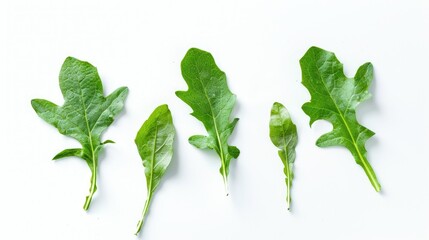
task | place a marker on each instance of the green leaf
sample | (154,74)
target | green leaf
(86,113)
(108,141)
(74,152)
(284,136)
(155,145)
(334,97)
(212,103)
(202,142)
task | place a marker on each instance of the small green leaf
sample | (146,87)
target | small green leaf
(334,97)
(284,136)
(202,142)
(74,152)
(108,141)
(212,103)
(155,145)
(85,115)
(233,151)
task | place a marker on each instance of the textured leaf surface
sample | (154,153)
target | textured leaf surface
(212,103)
(284,136)
(334,97)
(155,145)
(86,113)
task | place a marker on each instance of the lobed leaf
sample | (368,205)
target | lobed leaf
(334,97)
(85,114)
(212,103)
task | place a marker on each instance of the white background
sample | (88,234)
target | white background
(258,44)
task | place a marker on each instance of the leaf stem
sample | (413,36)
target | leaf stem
(92,190)
(288,184)
(288,178)
(225,182)
(370,173)
(223,170)
(145,209)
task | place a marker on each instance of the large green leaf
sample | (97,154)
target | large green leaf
(334,97)
(86,113)
(284,136)
(155,145)
(212,103)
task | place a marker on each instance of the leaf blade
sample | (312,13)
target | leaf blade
(212,103)
(84,101)
(334,97)
(154,142)
(283,135)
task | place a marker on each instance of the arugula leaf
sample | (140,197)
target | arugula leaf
(86,113)
(212,103)
(155,145)
(284,136)
(334,97)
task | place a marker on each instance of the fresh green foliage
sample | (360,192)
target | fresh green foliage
(334,97)
(86,113)
(155,145)
(212,103)
(284,137)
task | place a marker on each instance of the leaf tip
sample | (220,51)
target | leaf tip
(277,105)
(163,108)
(56,157)
(108,141)
(194,50)
(70,58)
(125,89)
(179,94)
(34,103)
(315,48)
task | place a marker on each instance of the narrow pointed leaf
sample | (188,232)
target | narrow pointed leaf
(284,136)
(74,152)
(155,145)
(212,103)
(86,113)
(334,97)
(108,141)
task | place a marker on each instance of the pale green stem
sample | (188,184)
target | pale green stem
(145,209)
(288,179)
(92,190)
(288,198)
(225,181)
(371,174)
